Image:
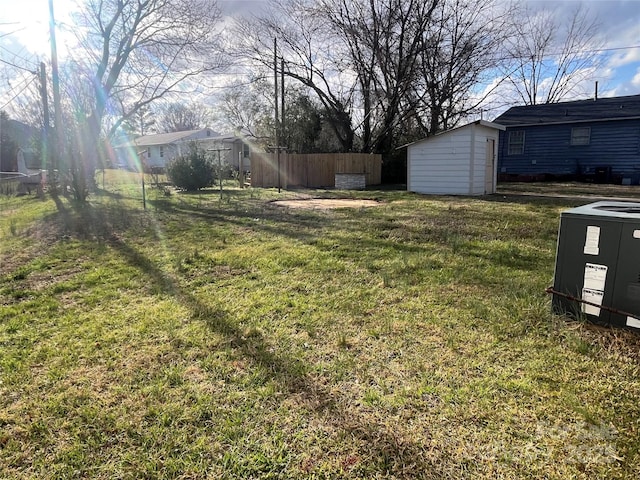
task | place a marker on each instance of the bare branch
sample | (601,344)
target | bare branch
(550,62)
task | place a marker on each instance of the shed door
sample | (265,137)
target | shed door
(489,166)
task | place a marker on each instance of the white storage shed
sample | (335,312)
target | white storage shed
(461,161)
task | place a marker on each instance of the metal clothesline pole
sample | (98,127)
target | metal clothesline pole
(219,163)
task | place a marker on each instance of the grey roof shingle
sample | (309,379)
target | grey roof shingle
(164,138)
(570,112)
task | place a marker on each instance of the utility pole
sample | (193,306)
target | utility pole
(282,97)
(277,118)
(47,124)
(282,122)
(55,81)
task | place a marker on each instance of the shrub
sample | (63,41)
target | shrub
(192,171)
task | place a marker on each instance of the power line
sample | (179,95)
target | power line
(17,55)
(612,49)
(20,92)
(577,52)
(18,66)
(23,81)
(20,81)
(10,33)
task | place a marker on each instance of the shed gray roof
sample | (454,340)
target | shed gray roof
(612,108)
(483,123)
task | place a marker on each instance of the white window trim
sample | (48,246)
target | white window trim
(577,138)
(511,145)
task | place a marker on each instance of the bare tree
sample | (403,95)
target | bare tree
(137,51)
(357,56)
(27,107)
(141,122)
(550,60)
(460,52)
(248,108)
(385,69)
(385,40)
(313,57)
(8,146)
(179,117)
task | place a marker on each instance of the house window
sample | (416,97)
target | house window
(580,135)
(149,152)
(161,152)
(245,150)
(516,143)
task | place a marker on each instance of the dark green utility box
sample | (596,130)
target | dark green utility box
(598,261)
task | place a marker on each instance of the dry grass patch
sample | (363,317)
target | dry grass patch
(326,203)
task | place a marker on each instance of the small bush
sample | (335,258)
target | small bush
(193,171)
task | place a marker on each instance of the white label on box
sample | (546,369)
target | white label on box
(592,242)
(636,234)
(633,322)
(595,276)
(593,296)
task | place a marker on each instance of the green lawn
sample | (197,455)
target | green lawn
(231,338)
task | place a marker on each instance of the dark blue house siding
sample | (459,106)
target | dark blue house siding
(613,144)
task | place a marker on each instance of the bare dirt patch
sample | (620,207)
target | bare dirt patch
(327,203)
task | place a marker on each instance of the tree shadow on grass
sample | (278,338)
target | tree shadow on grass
(394,453)
(85,221)
(297,224)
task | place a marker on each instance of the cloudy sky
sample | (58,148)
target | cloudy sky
(619,29)
(24,39)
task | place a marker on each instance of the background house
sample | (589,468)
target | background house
(159,149)
(586,139)
(460,161)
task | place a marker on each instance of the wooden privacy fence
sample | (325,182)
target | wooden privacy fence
(312,170)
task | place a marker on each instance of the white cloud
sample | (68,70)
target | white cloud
(635,81)
(624,57)
(618,24)
(241,7)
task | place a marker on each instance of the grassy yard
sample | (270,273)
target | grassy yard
(232,338)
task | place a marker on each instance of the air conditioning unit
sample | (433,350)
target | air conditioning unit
(597,271)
